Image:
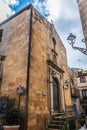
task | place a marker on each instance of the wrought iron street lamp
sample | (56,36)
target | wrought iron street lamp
(72,39)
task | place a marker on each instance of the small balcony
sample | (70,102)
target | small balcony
(83,102)
(75,92)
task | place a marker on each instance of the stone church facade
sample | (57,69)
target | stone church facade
(32,55)
(82,4)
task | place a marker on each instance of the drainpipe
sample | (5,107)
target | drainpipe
(49,91)
(28,73)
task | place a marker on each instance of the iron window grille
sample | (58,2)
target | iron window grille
(82,79)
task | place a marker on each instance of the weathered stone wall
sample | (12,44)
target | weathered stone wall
(41,51)
(38,75)
(4,42)
(70,77)
(82,4)
(62,63)
(81,86)
(15,46)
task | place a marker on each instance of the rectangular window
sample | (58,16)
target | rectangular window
(82,79)
(1,32)
(84,94)
(0,69)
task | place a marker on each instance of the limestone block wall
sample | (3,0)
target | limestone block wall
(5,35)
(79,84)
(61,62)
(59,47)
(15,43)
(37,108)
(67,76)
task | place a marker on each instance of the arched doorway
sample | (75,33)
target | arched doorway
(55,95)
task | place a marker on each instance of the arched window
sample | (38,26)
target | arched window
(54,43)
(1,31)
(54,50)
(1,68)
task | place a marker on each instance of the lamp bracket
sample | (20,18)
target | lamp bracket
(72,39)
(83,50)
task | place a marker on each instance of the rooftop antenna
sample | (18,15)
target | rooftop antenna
(79,60)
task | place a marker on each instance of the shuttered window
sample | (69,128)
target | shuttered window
(1,32)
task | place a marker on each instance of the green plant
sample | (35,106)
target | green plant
(10,114)
(78,125)
(13,116)
(81,121)
(6,103)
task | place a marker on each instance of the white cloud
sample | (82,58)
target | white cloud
(12,2)
(5,10)
(66,18)
(41,6)
(54,7)
(62,8)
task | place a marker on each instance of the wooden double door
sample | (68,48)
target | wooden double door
(56,95)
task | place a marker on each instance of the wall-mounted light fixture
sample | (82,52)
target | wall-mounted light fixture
(67,83)
(44,93)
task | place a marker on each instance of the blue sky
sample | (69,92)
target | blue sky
(66,19)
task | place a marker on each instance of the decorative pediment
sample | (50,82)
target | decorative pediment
(53,65)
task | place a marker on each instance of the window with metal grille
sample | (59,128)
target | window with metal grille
(1,32)
(82,79)
(54,50)
(84,94)
(1,68)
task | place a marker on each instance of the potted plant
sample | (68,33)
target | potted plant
(81,121)
(12,119)
(11,115)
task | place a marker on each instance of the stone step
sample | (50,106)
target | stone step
(52,129)
(70,116)
(58,114)
(55,126)
(59,118)
(69,110)
(57,122)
